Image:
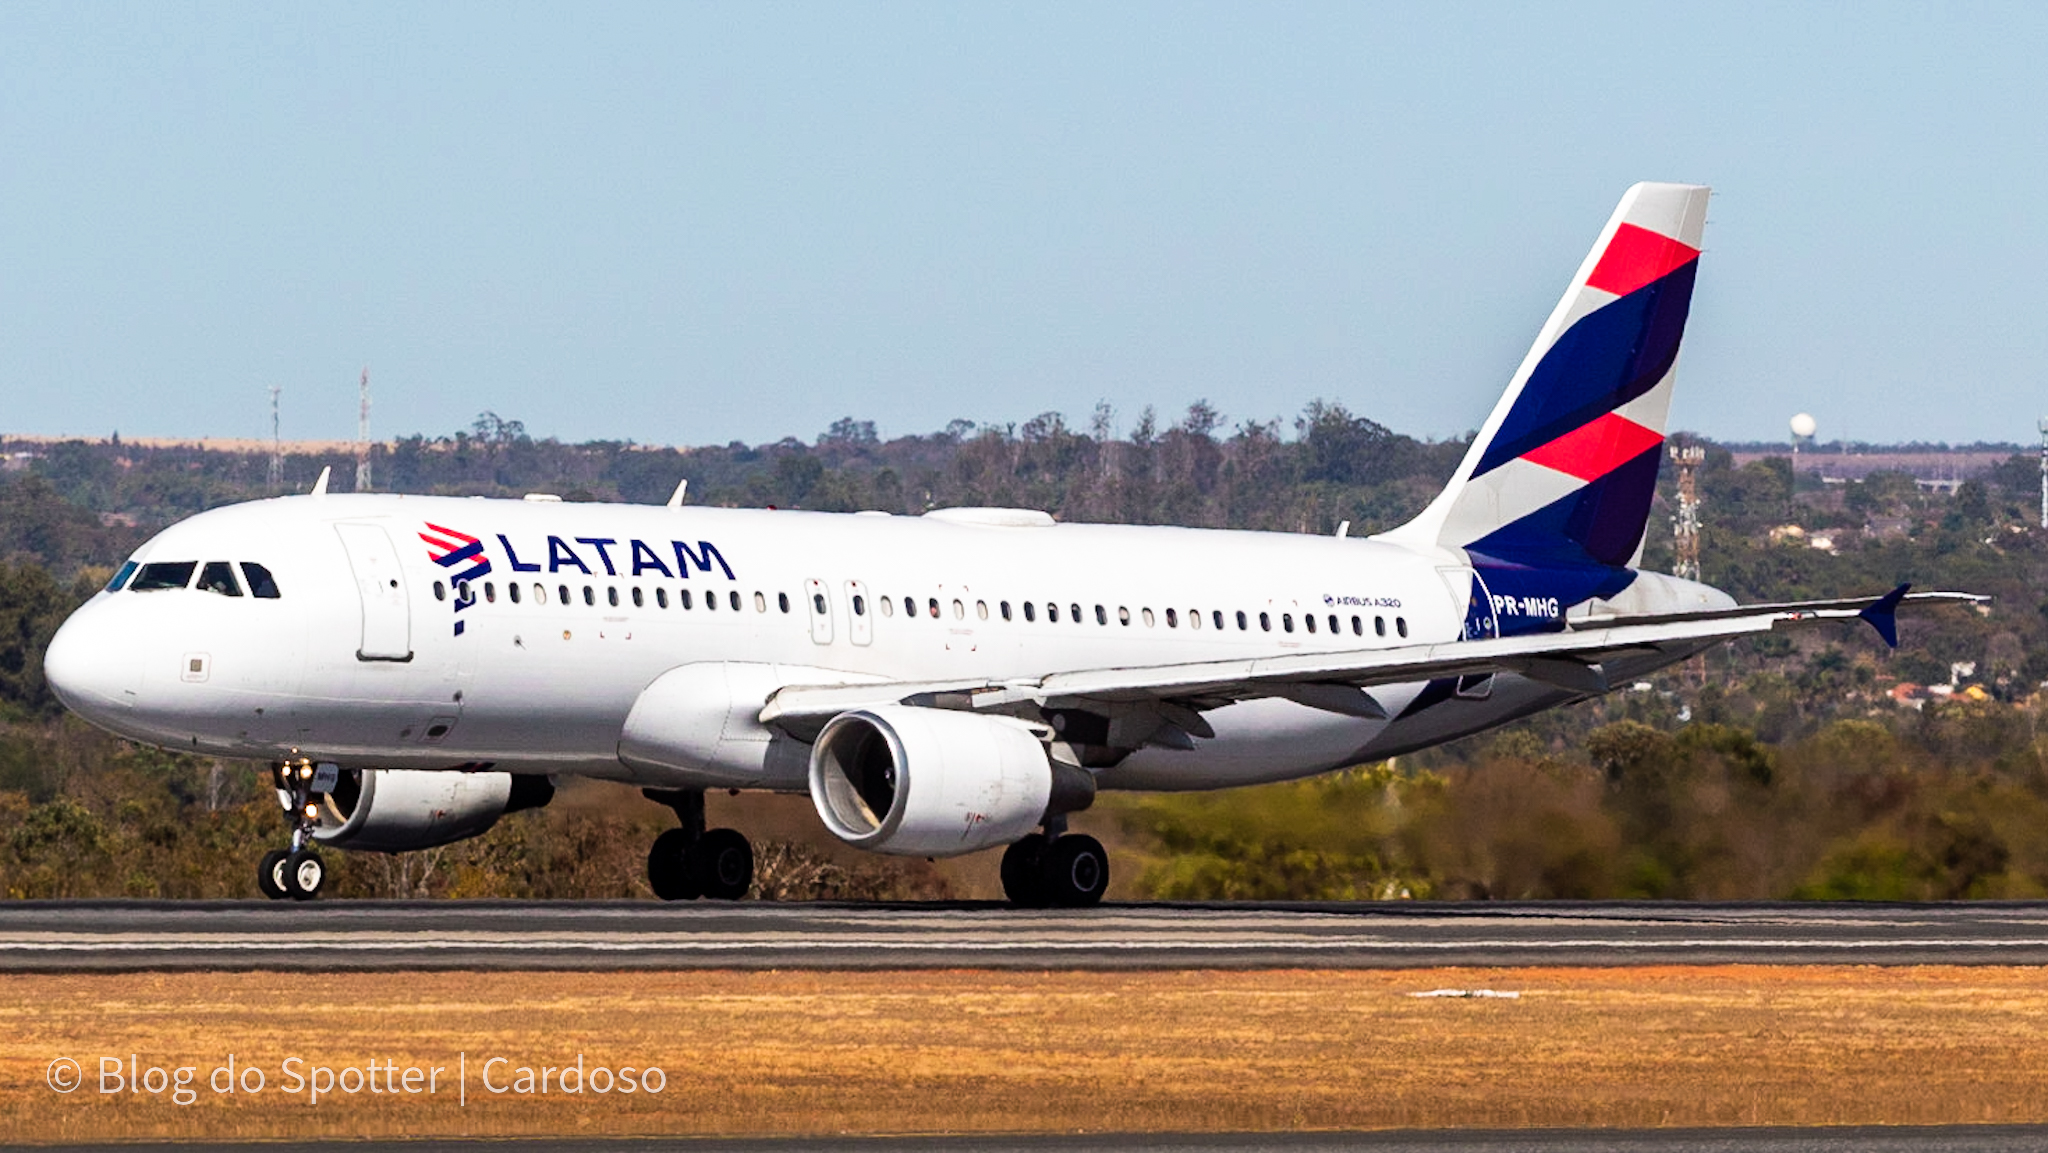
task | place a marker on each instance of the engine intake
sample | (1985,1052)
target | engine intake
(396,810)
(934,783)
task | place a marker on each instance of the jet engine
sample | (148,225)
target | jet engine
(395,810)
(934,783)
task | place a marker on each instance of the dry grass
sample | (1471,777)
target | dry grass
(958,1051)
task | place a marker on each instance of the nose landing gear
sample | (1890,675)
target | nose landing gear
(297,872)
(690,862)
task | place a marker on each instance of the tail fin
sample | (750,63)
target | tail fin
(1565,468)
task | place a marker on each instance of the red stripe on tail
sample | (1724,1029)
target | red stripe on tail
(1591,451)
(1635,257)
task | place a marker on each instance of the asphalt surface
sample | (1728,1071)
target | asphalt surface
(1932,1139)
(59,936)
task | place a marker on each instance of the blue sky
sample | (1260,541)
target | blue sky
(696,223)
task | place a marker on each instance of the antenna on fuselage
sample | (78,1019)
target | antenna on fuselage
(320,486)
(675,499)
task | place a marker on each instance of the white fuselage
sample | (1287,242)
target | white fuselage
(359,658)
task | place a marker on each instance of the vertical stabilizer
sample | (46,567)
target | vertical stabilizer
(1564,469)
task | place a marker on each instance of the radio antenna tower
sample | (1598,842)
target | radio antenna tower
(363,437)
(1685,527)
(2044,472)
(276,478)
(1685,537)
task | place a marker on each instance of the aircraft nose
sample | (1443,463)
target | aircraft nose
(87,668)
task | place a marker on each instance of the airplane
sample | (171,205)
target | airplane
(415,667)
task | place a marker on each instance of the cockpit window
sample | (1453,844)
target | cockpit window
(121,578)
(261,584)
(219,577)
(164,574)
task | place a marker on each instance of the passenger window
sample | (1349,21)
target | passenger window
(1286,622)
(1030,611)
(661,598)
(1123,616)
(1101,615)
(782,601)
(1379,626)
(1309,619)
(562,593)
(512,592)
(463,593)
(589,595)
(860,605)
(639,601)
(1075,612)
(1052,613)
(888,607)
(959,611)
(262,585)
(685,599)
(710,602)
(732,599)
(611,595)
(1006,610)
(1401,625)
(1357,626)
(1195,619)
(910,607)
(540,593)
(818,603)
(981,609)
(1217,618)
(1172,619)
(935,608)
(171,574)
(440,591)
(491,591)
(1265,622)
(761,602)
(1333,625)
(219,577)
(1242,624)
(121,578)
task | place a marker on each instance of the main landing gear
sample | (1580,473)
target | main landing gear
(690,862)
(296,872)
(1055,869)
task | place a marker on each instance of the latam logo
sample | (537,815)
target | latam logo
(450,549)
(453,550)
(628,557)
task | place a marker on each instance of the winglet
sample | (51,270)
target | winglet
(675,499)
(1882,614)
(320,486)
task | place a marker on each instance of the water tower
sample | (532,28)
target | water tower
(1803,428)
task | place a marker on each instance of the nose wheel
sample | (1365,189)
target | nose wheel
(297,872)
(691,862)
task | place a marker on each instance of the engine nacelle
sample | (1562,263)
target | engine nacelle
(395,810)
(933,783)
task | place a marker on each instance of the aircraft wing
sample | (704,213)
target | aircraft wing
(1339,682)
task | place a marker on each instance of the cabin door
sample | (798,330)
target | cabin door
(380,586)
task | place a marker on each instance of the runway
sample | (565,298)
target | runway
(1856,1139)
(58,936)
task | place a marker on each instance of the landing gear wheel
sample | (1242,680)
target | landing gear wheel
(668,867)
(1021,882)
(304,873)
(270,874)
(722,862)
(1074,871)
